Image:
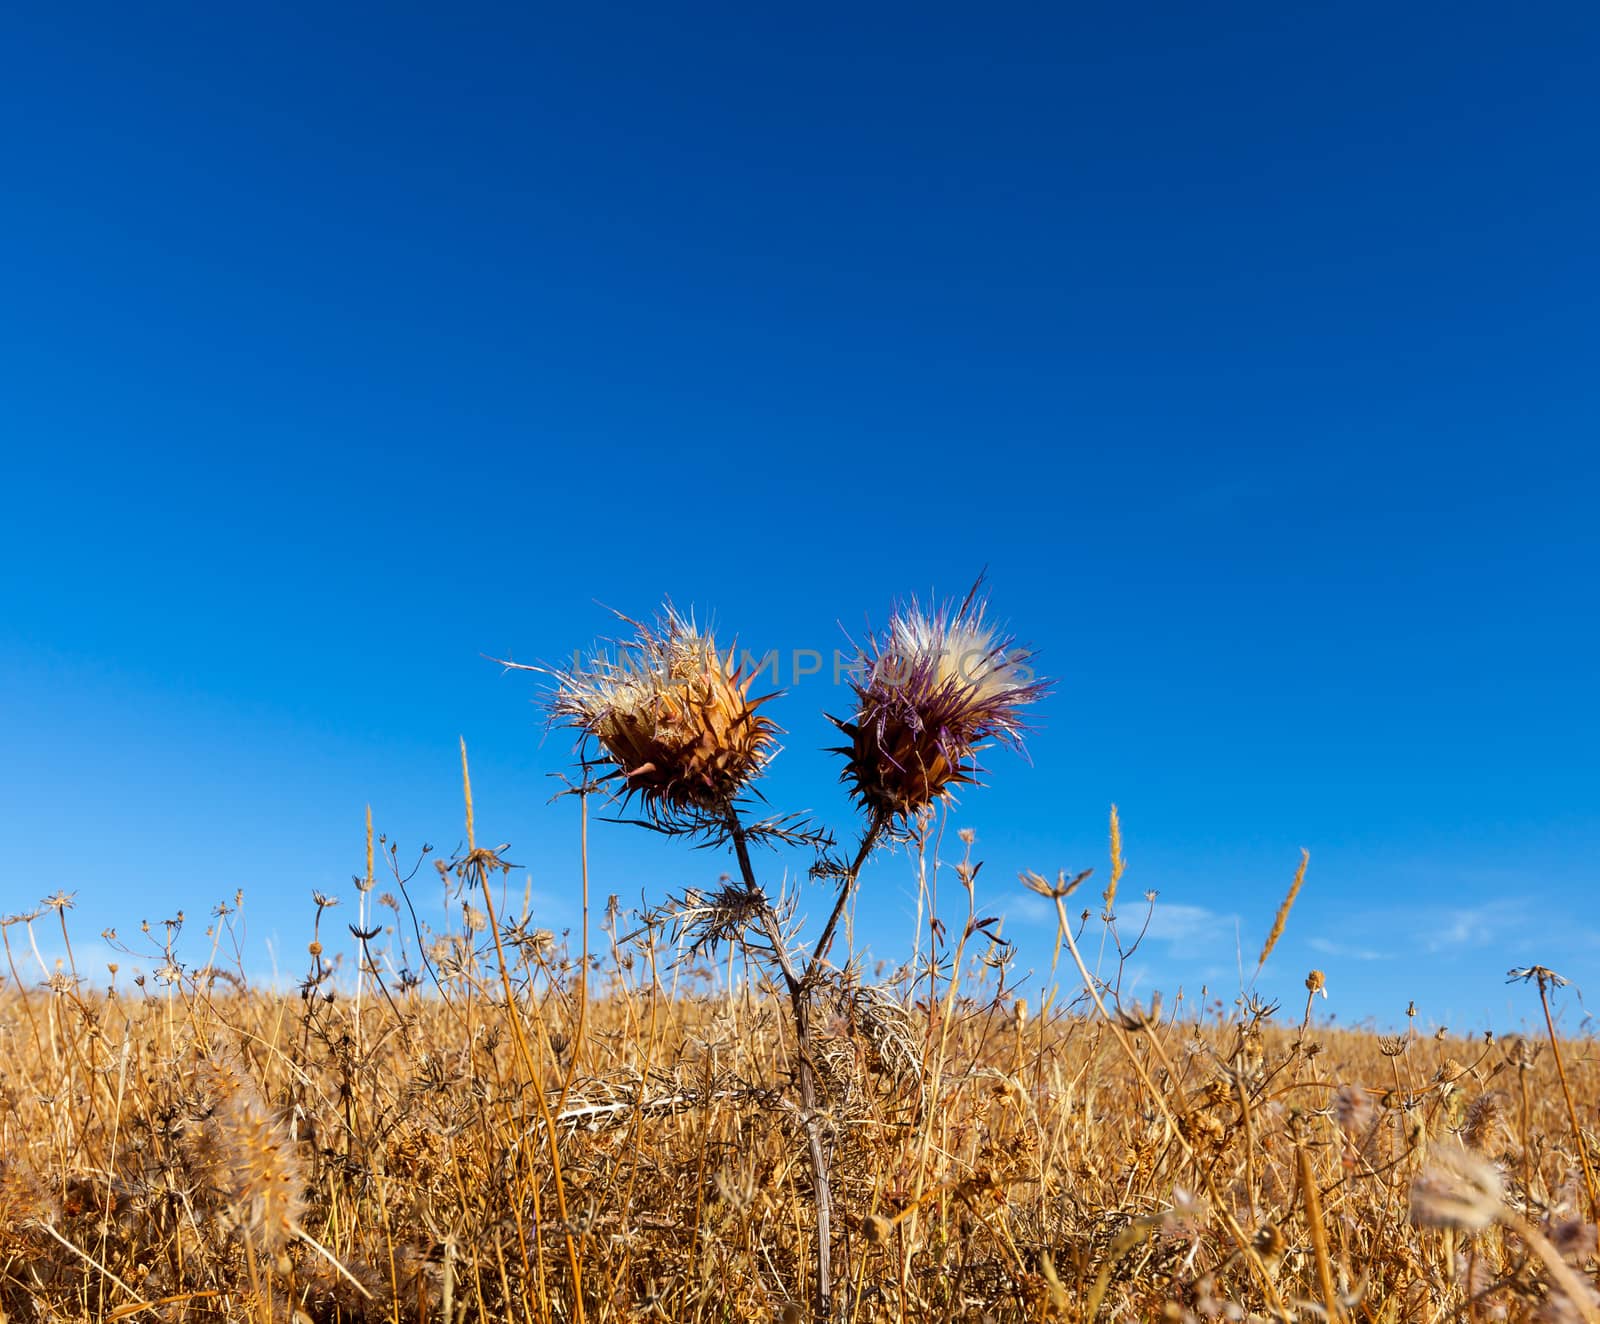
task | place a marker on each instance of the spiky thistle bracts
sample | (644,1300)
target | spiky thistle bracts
(931,693)
(674,715)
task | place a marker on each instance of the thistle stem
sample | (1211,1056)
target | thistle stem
(869,839)
(799,985)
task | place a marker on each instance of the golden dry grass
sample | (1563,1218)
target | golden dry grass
(189,1148)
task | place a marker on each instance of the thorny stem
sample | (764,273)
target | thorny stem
(799,985)
(869,839)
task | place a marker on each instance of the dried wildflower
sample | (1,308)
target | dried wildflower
(930,695)
(1135,1018)
(1569,1307)
(1269,1242)
(674,715)
(1573,1238)
(246,1156)
(1061,888)
(1542,975)
(1353,1109)
(876,1229)
(1203,1130)
(1459,1190)
(1186,1219)
(1484,1120)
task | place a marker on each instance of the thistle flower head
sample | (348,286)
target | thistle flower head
(931,692)
(673,715)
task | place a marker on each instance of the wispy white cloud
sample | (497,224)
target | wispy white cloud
(1031,908)
(1193,930)
(1466,927)
(1345,951)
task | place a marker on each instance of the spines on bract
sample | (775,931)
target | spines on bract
(931,692)
(674,715)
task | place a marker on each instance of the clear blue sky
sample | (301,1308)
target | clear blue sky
(1253,349)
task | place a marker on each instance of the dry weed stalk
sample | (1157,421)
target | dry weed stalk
(1281,919)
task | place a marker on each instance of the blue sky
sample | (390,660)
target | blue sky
(1252,351)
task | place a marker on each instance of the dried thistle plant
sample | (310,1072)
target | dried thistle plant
(672,1139)
(675,719)
(934,689)
(674,716)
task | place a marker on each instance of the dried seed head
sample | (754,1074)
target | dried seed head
(1459,1189)
(248,1159)
(1269,1242)
(1484,1121)
(1352,1109)
(673,714)
(1573,1238)
(1118,864)
(932,691)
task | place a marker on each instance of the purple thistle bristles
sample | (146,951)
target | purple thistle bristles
(931,693)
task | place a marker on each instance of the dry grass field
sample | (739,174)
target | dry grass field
(704,1113)
(513,1134)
